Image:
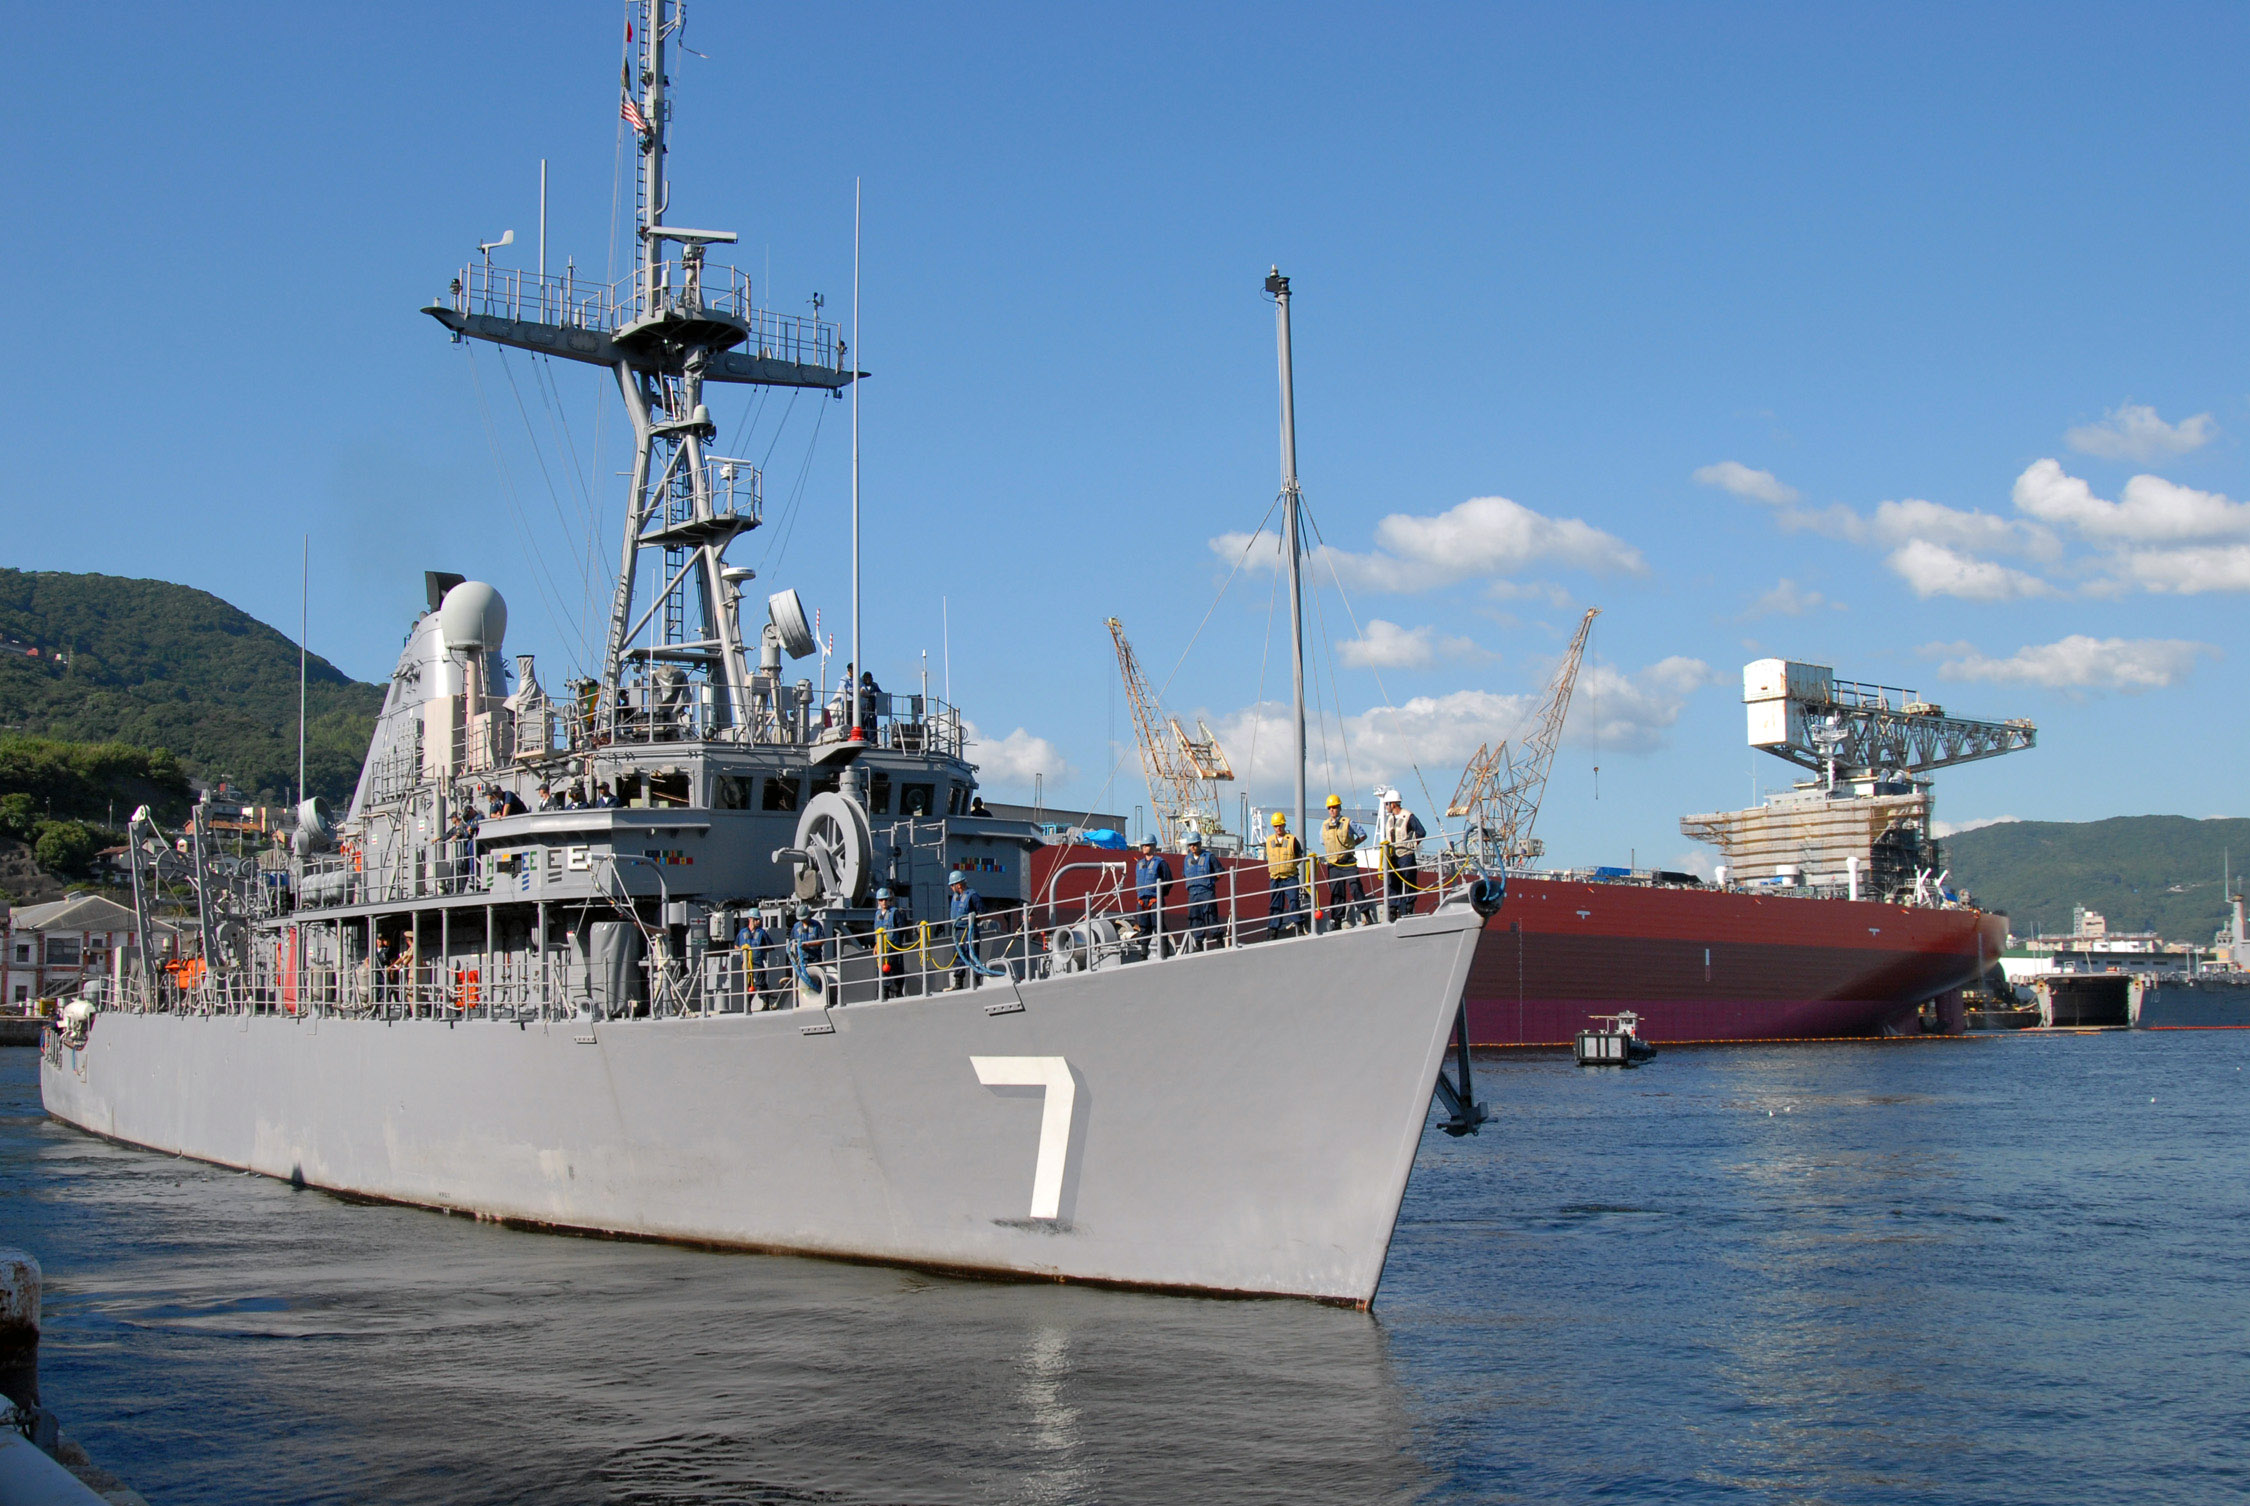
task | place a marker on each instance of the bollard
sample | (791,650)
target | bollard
(19,1329)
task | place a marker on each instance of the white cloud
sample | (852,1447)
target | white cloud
(1955,828)
(2080,662)
(1489,536)
(1385,744)
(1623,713)
(1971,532)
(1786,599)
(2188,572)
(2153,510)
(1750,485)
(2132,431)
(1013,759)
(1386,645)
(1934,570)
(1835,521)
(1914,520)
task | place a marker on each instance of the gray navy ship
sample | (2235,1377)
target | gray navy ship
(553,1021)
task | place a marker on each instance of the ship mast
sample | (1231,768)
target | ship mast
(1292,503)
(675,325)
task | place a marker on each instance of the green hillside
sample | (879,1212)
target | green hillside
(2145,873)
(169,667)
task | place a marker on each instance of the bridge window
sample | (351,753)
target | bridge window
(916,799)
(781,794)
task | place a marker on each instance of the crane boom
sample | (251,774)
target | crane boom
(1856,731)
(1182,771)
(1500,790)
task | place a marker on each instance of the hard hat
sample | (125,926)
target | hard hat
(1194,839)
(955,877)
(1336,800)
(882,894)
(1148,841)
(1390,797)
(1279,819)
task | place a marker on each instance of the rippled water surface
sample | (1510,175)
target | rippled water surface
(1997,1270)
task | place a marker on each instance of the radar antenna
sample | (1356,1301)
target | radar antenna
(1500,790)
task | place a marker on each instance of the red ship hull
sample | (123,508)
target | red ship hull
(1714,965)
(1697,965)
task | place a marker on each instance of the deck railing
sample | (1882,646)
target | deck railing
(566,300)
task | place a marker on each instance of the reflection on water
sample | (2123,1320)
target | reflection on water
(1982,1271)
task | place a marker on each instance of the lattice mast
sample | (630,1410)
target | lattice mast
(675,325)
(1183,772)
(1500,790)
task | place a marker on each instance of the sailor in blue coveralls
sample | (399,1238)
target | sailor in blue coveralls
(809,937)
(894,943)
(1152,878)
(761,954)
(1201,870)
(964,910)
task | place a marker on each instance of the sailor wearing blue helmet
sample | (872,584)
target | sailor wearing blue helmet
(964,910)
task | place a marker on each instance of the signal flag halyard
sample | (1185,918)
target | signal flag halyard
(627,110)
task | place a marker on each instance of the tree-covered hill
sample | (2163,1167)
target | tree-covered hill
(2144,873)
(161,666)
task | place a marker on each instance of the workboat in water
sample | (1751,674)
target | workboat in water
(552,1023)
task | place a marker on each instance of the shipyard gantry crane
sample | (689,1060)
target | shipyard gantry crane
(1183,772)
(1500,789)
(1860,732)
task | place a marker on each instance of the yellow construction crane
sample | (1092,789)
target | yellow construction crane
(1183,772)
(1500,790)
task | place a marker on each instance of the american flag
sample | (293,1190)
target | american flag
(632,114)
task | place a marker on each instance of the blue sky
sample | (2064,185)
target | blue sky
(1943,304)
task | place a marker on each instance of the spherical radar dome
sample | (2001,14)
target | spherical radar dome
(473,616)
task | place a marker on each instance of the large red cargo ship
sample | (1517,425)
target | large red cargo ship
(1697,964)
(1702,964)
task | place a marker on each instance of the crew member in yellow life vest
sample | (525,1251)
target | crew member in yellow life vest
(1339,842)
(1285,863)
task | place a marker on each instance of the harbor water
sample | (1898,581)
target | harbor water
(2011,1269)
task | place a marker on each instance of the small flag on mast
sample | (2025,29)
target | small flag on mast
(632,115)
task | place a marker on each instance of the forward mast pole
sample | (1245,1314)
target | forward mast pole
(1292,502)
(858,666)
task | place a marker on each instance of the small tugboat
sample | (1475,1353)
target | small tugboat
(1618,1046)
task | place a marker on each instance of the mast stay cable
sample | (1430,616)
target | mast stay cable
(542,577)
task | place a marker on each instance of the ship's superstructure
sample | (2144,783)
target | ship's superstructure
(690,950)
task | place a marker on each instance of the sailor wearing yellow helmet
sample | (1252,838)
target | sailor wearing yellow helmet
(1339,842)
(1285,862)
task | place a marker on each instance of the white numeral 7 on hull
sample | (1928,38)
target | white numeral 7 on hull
(1053,1074)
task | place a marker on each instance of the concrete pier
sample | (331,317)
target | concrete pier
(38,1465)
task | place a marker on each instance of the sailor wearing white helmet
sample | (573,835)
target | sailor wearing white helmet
(1401,833)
